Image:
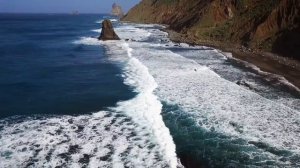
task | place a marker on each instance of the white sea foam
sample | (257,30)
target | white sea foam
(97,30)
(100,21)
(224,64)
(127,32)
(112,20)
(268,76)
(88,41)
(218,104)
(215,103)
(132,134)
(221,105)
(144,109)
(104,139)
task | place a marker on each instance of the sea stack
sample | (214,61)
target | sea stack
(108,32)
(117,10)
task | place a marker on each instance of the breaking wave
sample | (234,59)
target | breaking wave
(132,134)
(216,104)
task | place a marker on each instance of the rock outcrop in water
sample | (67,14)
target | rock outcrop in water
(117,10)
(264,25)
(108,32)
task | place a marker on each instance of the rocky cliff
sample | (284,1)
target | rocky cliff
(264,25)
(117,10)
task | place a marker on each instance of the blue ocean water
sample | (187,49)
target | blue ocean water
(69,100)
(67,104)
(43,72)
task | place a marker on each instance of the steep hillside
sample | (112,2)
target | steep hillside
(267,25)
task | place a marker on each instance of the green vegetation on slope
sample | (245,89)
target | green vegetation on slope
(258,24)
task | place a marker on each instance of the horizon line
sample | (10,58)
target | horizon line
(52,13)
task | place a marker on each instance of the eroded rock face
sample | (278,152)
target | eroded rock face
(284,24)
(108,32)
(284,16)
(268,25)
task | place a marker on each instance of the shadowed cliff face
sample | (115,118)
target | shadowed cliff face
(282,29)
(258,24)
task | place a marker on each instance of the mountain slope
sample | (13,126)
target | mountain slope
(258,24)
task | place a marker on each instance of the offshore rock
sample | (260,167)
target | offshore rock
(108,32)
(117,10)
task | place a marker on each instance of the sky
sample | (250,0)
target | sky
(62,6)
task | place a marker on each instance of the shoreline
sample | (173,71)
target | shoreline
(273,67)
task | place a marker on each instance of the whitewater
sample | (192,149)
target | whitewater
(258,130)
(132,134)
(215,104)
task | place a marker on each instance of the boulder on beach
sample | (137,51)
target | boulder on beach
(108,32)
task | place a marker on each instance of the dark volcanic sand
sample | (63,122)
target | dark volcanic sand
(267,62)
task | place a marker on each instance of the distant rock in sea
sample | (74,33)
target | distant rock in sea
(108,32)
(117,10)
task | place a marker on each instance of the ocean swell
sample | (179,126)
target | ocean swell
(132,134)
(145,108)
(218,105)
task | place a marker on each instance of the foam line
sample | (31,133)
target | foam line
(145,108)
(268,75)
(132,134)
(97,30)
(112,20)
(216,103)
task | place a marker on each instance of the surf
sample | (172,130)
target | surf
(130,134)
(145,108)
(215,104)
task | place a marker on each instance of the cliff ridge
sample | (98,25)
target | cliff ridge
(264,25)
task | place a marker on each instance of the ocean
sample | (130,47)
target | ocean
(69,100)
